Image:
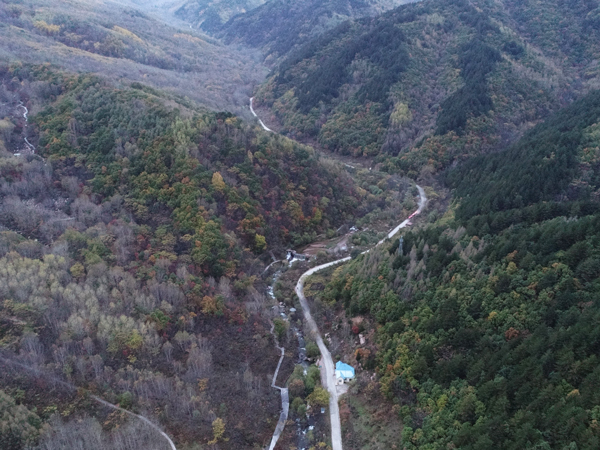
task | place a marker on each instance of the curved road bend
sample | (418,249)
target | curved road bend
(94,397)
(334,411)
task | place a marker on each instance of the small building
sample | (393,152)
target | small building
(293,255)
(343,372)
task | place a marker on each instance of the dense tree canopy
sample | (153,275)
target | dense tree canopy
(463,72)
(220,183)
(487,330)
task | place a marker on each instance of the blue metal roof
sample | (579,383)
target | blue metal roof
(344,370)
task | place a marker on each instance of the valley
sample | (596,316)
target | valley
(328,373)
(158,160)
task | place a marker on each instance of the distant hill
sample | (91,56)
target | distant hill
(210,15)
(279,26)
(434,82)
(123,43)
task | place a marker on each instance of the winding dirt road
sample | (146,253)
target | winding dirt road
(254,114)
(30,146)
(329,376)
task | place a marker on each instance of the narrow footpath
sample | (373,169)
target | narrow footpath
(142,418)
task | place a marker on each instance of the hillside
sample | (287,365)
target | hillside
(555,163)
(131,248)
(280,26)
(433,82)
(125,44)
(484,327)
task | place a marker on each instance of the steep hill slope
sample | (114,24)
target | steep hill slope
(434,82)
(130,237)
(485,326)
(210,15)
(557,161)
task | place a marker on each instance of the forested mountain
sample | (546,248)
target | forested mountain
(210,15)
(556,162)
(279,26)
(434,82)
(123,43)
(128,258)
(486,322)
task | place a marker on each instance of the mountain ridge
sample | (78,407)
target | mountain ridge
(430,95)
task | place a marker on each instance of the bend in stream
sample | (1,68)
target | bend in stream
(30,146)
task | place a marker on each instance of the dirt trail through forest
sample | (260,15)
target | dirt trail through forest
(71,387)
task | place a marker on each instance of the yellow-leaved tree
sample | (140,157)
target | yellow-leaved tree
(217,181)
(260,242)
(319,397)
(218,427)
